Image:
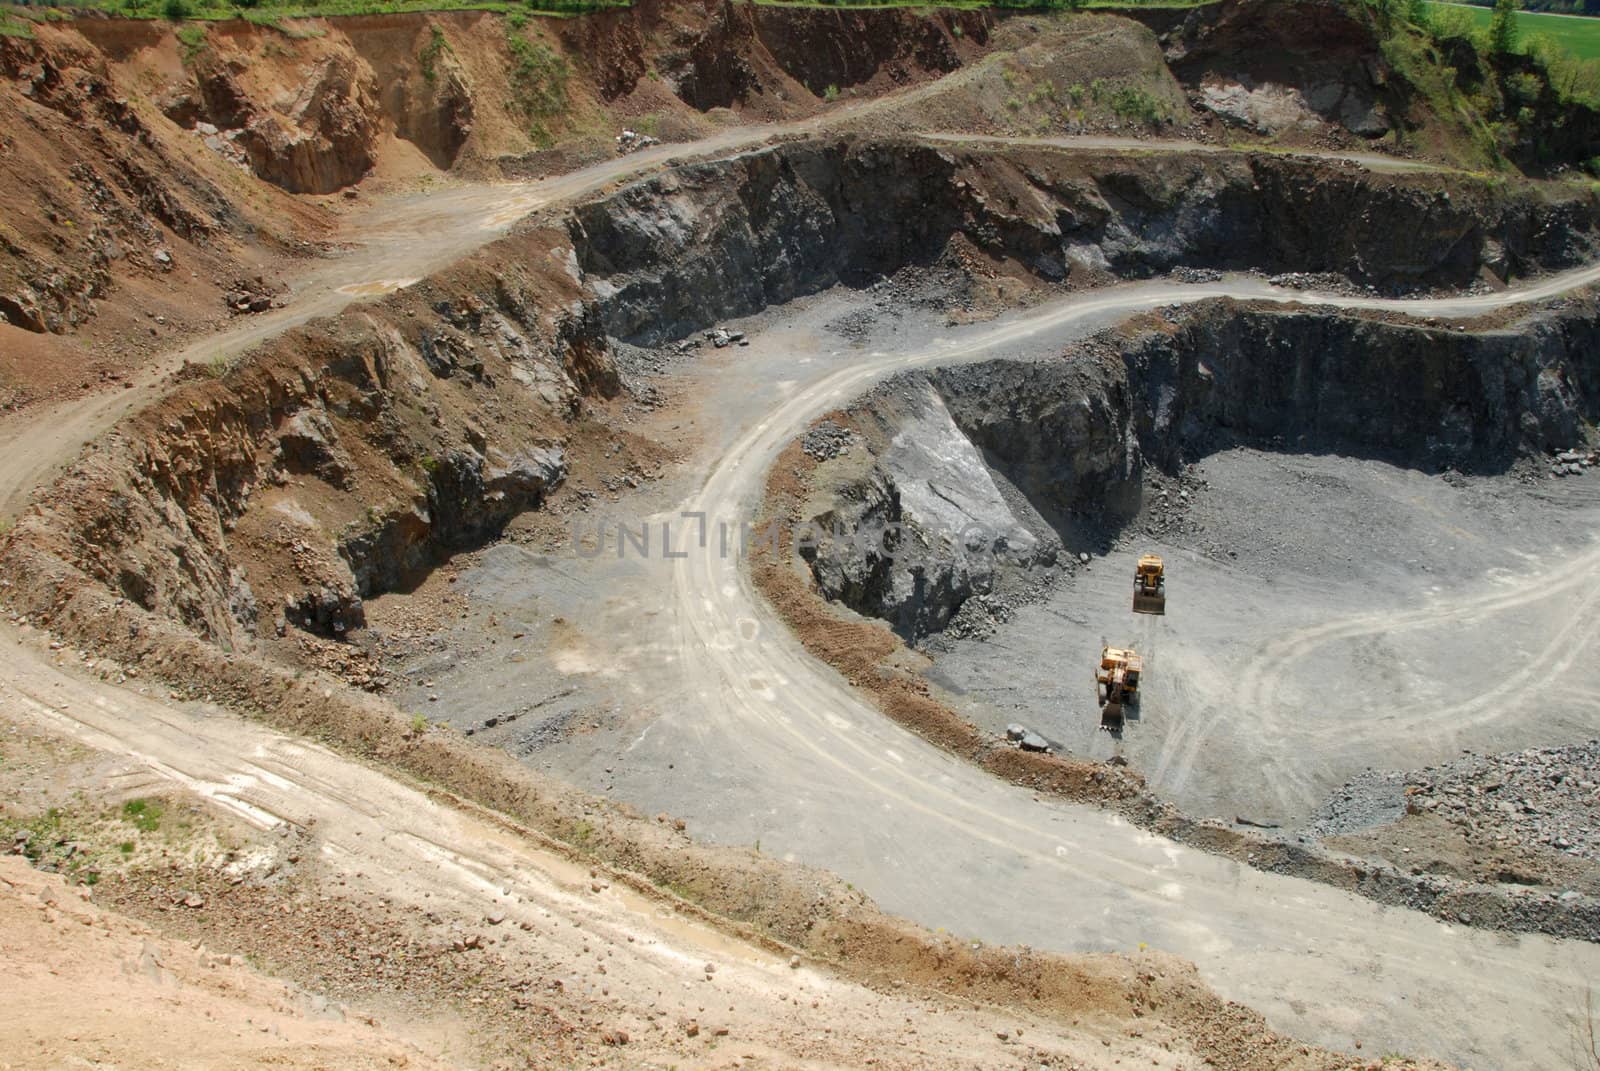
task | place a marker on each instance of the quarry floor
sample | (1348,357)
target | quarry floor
(1329,615)
(668,683)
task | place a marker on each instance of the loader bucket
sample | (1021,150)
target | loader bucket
(1149,604)
(1111,717)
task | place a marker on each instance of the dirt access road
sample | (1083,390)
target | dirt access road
(394,242)
(401,239)
(622,955)
(950,846)
(946,843)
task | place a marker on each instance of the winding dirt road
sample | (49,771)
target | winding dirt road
(935,839)
(983,857)
(394,243)
(625,955)
(1573,585)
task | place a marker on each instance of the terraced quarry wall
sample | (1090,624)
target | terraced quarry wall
(1074,435)
(344,459)
(706,242)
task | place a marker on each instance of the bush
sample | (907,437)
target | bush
(1503,27)
(1136,105)
(1445,23)
(145,815)
(176,10)
(538,80)
(193,40)
(428,58)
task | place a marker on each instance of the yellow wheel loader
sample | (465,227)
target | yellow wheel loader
(1117,684)
(1150,585)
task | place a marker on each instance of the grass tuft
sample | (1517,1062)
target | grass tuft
(144,815)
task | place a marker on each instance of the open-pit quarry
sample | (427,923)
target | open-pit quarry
(484,596)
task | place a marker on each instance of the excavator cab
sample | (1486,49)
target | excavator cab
(1117,685)
(1150,585)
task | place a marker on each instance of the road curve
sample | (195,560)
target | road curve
(395,242)
(986,858)
(402,239)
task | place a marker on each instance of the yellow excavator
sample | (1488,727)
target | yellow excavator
(1117,684)
(1150,585)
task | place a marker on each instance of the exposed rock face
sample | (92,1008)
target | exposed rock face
(325,138)
(468,500)
(854,46)
(1272,109)
(719,69)
(1321,381)
(719,54)
(308,443)
(1062,435)
(436,116)
(89,187)
(351,454)
(316,136)
(1071,435)
(673,254)
(341,462)
(926,529)
(1269,65)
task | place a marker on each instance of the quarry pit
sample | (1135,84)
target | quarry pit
(759,488)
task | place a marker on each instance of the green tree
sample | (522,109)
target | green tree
(1503,27)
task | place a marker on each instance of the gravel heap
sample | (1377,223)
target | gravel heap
(981,615)
(1372,798)
(1325,282)
(855,326)
(1196,275)
(640,362)
(826,441)
(1166,502)
(1546,797)
(941,287)
(1573,462)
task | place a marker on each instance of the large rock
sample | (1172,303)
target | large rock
(308,443)
(325,138)
(926,529)
(1274,65)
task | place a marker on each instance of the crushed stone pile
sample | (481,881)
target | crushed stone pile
(1542,796)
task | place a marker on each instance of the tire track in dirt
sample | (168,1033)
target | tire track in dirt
(1264,673)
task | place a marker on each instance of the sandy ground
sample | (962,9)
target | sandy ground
(88,988)
(474,941)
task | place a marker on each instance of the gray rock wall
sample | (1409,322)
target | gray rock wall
(681,251)
(1072,435)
